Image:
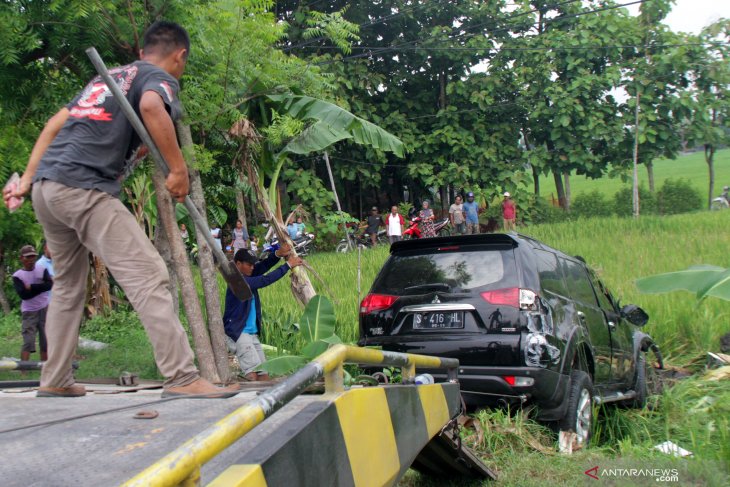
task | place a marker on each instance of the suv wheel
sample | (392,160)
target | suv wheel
(579,417)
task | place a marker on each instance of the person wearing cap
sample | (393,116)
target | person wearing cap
(242,319)
(32,283)
(375,221)
(509,213)
(471,210)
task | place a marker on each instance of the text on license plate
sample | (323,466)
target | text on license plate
(439,319)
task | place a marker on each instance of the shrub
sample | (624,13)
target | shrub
(678,196)
(591,204)
(623,202)
(543,212)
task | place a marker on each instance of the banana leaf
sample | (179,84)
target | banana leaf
(332,124)
(703,280)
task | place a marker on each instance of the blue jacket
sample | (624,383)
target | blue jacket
(234,317)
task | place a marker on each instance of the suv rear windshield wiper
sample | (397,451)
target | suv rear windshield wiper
(433,285)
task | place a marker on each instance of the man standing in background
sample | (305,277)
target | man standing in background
(32,284)
(456,214)
(509,213)
(471,211)
(394,223)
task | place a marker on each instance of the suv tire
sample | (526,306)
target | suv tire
(579,416)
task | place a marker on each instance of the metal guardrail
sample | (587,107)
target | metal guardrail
(6,364)
(182,466)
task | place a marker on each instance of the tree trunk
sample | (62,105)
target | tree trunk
(162,244)
(211,291)
(650,175)
(241,207)
(191,304)
(3,299)
(536,180)
(208,271)
(559,189)
(710,160)
(301,286)
(99,299)
(566,187)
(635,175)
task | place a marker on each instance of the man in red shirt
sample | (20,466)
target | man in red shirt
(509,213)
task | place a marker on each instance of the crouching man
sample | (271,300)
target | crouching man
(242,319)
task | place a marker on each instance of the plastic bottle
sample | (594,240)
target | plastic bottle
(424,379)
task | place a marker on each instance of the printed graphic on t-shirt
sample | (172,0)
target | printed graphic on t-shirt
(90,103)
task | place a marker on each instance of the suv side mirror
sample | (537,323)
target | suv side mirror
(634,315)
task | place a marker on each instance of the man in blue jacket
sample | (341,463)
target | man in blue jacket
(242,319)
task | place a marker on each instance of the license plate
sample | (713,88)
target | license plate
(439,319)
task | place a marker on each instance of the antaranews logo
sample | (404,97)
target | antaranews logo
(659,474)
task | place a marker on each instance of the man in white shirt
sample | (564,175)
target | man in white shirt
(394,223)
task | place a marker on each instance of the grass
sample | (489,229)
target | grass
(691,166)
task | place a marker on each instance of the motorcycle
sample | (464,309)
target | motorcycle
(441,227)
(360,240)
(722,202)
(303,245)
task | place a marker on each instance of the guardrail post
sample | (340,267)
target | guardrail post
(334,381)
(408,373)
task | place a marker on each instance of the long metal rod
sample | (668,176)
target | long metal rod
(184,463)
(154,151)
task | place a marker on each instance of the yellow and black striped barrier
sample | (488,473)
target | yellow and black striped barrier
(363,437)
(425,409)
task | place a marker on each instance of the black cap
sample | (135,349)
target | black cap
(245,255)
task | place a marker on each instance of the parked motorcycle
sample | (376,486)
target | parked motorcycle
(441,227)
(722,202)
(303,245)
(360,240)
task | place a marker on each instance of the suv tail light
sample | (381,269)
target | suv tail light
(524,299)
(376,302)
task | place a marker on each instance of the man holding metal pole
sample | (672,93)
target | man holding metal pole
(76,167)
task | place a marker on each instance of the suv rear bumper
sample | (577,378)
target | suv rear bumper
(486,386)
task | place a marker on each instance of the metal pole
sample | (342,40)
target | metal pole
(334,192)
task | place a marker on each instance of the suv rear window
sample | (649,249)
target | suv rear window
(461,270)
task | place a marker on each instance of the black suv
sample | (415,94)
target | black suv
(528,323)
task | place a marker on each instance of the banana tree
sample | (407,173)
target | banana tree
(320,125)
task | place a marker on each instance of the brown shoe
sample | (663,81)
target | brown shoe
(74,390)
(201,389)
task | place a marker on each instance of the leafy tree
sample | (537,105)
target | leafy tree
(709,122)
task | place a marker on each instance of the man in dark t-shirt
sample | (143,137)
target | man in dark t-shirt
(76,168)
(375,221)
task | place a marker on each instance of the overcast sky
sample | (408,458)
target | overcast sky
(692,15)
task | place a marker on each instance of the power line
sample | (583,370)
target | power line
(550,48)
